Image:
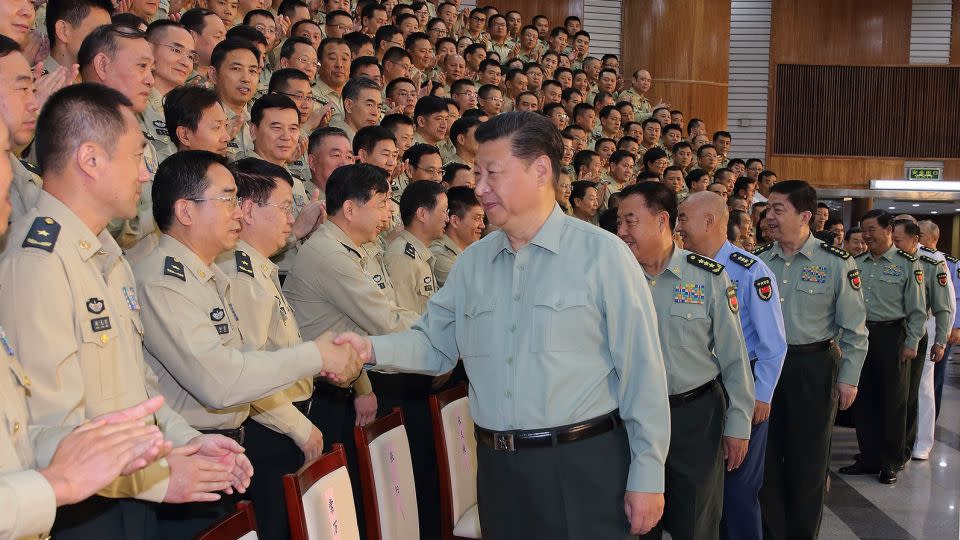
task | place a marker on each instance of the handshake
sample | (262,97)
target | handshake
(343,356)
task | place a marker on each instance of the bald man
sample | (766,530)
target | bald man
(702,224)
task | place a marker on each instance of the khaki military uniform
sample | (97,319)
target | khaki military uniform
(444,145)
(243,142)
(198,79)
(642,109)
(25,188)
(50,65)
(300,168)
(408,261)
(340,123)
(323,94)
(84,359)
(445,252)
(503,49)
(153,123)
(194,345)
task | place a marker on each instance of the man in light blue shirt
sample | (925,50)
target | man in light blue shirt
(702,223)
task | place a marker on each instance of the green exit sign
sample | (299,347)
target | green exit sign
(923,173)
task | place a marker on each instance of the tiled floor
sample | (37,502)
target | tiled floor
(924,504)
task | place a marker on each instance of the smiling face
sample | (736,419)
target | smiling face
(237,77)
(277,135)
(174,52)
(129,71)
(16,19)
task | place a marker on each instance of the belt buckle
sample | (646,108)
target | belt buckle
(503,442)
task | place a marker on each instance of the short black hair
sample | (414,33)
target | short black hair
(364,61)
(8,46)
(653,154)
(391,121)
(184,106)
(159,26)
(321,134)
(256,178)
(248,33)
(765,173)
(74,115)
(578,190)
(650,120)
(753,160)
(357,182)
(672,127)
(326,42)
(413,38)
(289,46)
(694,122)
(419,194)
(396,55)
(229,45)
(128,20)
(735,161)
(450,171)
(742,183)
(884,218)
(367,137)
(582,159)
(384,33)
(721,133)
(852,231)
(462,127)
(531,135)
(657,197)
(271,101)
(461,199)
(801,195)
(181,176)
(248,18)
(105,39)
(295,27)
(695,175)
(280,79)
(621,155)
(428,105)
(415,153)
(704,147)
(72,12)
(288,7)
(194,19)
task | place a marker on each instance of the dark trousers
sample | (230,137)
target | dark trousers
(914,372)
(694,468)
(103,518)
(272,455)
(186,521)
(798,445)
(882,401)
(409,392)
(939,376)
(572,491)
(741,489)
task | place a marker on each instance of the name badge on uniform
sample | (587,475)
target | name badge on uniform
(688,293)
(100,325)
(6,342)
(891,270)
(223,328)
(428,283)
(814,274)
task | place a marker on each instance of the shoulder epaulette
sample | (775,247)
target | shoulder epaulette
(842,253)
(742,259)
(173,267)
(706,263)
(951,258)
(30,167)
(410,251)
(928,250)
(355,252)
(763,248)
(906,255)
(244,265)
(43,234)
(929,260)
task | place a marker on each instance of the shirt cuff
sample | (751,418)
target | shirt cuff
(33,505)
(646,475)
(738,425)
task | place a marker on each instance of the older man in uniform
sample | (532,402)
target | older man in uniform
(940,307)
(577,382)
(821,302)
(18,111)
(191,327)
(64,269)
(702,224)
(896,312)
(465,226)
(701,340)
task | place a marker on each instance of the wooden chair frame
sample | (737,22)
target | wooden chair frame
(298,483)
(437,403)
(363,436)
(234,525)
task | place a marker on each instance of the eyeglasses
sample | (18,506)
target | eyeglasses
(287,208)
(296,97)
(439,31)
(234,200)
(478,19)
(466,93)
(433,171)
(192,55)
(305,60)
(339,27)
(266,30)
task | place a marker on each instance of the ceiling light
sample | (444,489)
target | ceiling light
(916,185)
(915,204)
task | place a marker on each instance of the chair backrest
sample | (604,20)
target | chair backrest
(386,476)
(240,525)
(320,499)
(456,446)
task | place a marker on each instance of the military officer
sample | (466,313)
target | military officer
(191,335)
(279,436)
(896,312)
(19,113)
(235,68)
(559,290)
(334,57)
(636,95)
(465,226)
(938,295)
(702,224)
(820,298)
(701,340)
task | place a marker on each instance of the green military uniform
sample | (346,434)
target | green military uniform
(820,297)
(896,313)
(278,426)
(642,109)
(610,186)
(541,334)
(503,49)
(701,341)
(154,125)
(445,252)
(85,360)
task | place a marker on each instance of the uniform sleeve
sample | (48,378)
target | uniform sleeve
(771,343)
(634,342)
(731,353)
(403,275)
(441,265)
(941,301)
(277,413)
(851,317)
(29,505)
(174,427)
(178,333)
(914,306)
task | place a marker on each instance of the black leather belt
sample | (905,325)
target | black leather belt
(304,406)
(884,324)
(510,441)
(237,434)
(686,397)
(810,347)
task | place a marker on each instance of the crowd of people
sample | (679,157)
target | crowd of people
(213,202)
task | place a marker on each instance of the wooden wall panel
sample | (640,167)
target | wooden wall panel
(555,10)
(955,35)
(852,173)
(951,169)
(685,44)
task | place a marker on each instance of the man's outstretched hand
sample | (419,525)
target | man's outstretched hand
(341,362)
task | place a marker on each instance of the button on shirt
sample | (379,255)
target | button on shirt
(760,315)
(560,331)
(892,290)
(700,336)
(820,298)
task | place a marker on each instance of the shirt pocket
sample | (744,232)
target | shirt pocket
(478,328)
(98,356)
(561,321)
(812,294)
(689,325)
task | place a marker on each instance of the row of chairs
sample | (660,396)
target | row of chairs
(319,496)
